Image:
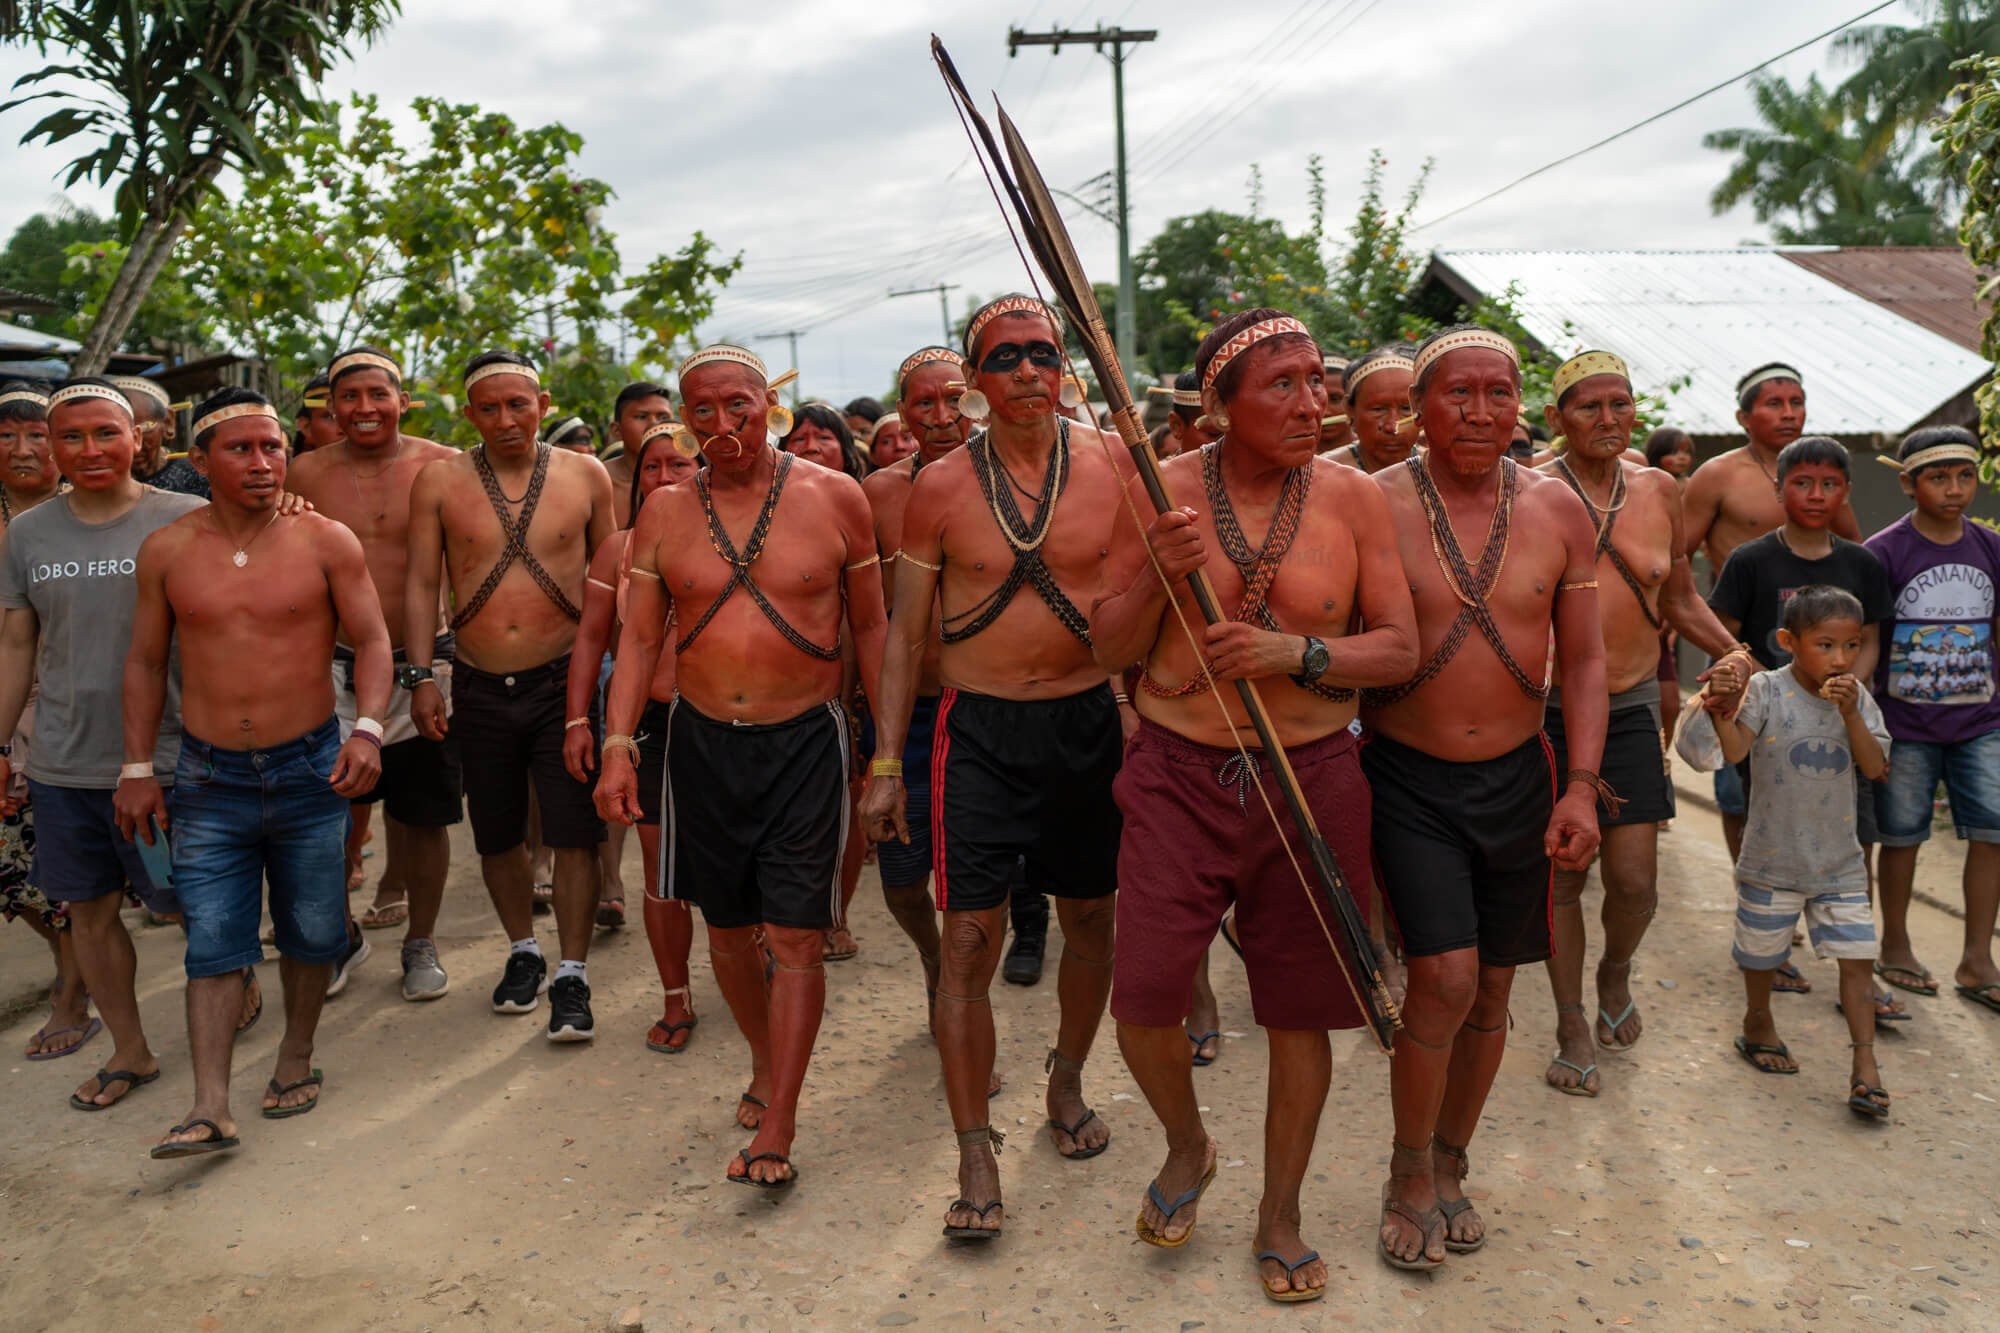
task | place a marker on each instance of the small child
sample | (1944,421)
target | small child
(1805,727)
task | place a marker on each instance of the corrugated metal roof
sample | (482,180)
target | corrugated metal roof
(1931,285)
(15,338)
(1710,315)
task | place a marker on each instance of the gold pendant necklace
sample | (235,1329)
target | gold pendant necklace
(242,555)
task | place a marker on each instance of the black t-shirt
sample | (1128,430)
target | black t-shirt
(1761,575)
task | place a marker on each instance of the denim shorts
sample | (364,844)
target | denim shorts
(79,852)
(242,817)
(1970,770)
(1730,798)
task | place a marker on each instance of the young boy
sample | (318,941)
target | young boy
(1936,685)
(1760,575)
(1805,728)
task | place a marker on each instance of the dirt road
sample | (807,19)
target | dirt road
(461,1173)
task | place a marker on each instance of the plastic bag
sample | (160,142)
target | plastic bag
(1694,735)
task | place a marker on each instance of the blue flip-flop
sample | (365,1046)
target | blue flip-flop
(1291,1266)
(1582,1072)
(1201,1061)
(1612,1025)
(1152,1237)
(89,1030)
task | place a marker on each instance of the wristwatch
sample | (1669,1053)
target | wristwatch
(409,677)
(1313,662)
(7,750)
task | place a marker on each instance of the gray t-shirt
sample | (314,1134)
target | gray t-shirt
(1800,830)
(80,579)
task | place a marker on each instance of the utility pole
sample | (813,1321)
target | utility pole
(944,306)
(1126,331)
(791,336)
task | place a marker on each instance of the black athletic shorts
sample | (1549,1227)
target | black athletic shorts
(756,817)
(421,785)
(509,729)
(1458,849)
(901,863)
(1634,763)
(652,738)
(1024,778)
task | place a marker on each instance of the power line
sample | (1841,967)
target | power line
(1686,102)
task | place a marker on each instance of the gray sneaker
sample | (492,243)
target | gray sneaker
(423,976)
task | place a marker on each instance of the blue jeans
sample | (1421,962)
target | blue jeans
(1970,770)
(1730,798)
(244,816)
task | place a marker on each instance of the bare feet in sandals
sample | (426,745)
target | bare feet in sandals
(1290,1268)
(1573,1069)
(978,1206)
(1618,1024)
(1182,1175)
(1075,1129)
(756,1098)
(1412,1231)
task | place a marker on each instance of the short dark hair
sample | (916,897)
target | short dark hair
(317,384)
(1819,449)
(1666,440)
(1930,437)
(1396,351)
(1818,603)
(1231,375)
(1417,386)
(23,409)
(826,418)
(394,379)
(1183,382)
(499,356)
(1746,392)
(866,408)
(633,392)
(233,396)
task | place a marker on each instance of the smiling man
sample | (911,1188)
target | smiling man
(263,776)
(365,482)
(519,520)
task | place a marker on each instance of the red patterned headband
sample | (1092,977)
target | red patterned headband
(1246,339)
(1458,342)
(1012,305)
(924,358)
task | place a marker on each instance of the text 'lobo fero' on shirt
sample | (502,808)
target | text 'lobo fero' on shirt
(1936,674)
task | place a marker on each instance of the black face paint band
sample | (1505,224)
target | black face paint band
(1003,357)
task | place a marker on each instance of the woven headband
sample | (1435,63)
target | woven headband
(76,391)
(1386,361)
(25,396)
(231,413)
(1585,364)
(654,432)
(924,358)
(742,356)
(1181,397)
(561,427)
(1012,305)
(153,391)
(885,419)
(503,368)
(1767,374)
(1244,340)
(1952,452)
(1459,342)
(356,360)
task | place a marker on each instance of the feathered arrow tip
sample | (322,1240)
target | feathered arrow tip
(1048,240)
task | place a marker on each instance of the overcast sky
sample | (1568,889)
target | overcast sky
(815,136)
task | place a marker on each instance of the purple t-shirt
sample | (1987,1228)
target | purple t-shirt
(1935,676)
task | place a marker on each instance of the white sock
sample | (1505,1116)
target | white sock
(569,967)
(528,946)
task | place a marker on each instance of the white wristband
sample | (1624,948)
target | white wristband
(368,726)
(144,770)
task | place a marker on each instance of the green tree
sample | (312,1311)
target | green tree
(171,94)
(485,234)
(1814,174)
(1969,141)
(1905,75)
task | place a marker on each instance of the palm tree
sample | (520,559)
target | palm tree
(1905,75)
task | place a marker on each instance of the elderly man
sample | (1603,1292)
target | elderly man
(1644,585)
(155,464)
(1028,732)
(520,520)
(1336,428)
(1469,806)
(1325,564)
(757,561)
(1378,403)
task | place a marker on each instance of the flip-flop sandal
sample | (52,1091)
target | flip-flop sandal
(1082,1153)
(1201,1061)
(1426,1222)
(89,1030)
(747,1179)
(611,913)
(1750,1050)
(1159,1201)
(972,1233)
(314,1079)
(1889,972)
(1790,981)
(1227,930)
(1861,1101)
(381,916)
(543,898)
(1612,1025)
(1582,1073)
(757,1102)
(667,1030)
(841,953)
(1451,1208)
(249,978)
(215,1143)
(1986,993)
(1883,1014)
(1288,1296)
(104,1080)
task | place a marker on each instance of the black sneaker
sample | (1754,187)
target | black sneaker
(569,1010)
(527,976)
(1023,965)
(357,953)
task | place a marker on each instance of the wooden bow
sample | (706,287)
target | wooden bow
(1047,238)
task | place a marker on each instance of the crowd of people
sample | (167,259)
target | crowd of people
(958,637)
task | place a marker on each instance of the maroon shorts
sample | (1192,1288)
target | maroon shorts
(1670,667)
(1198,838)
